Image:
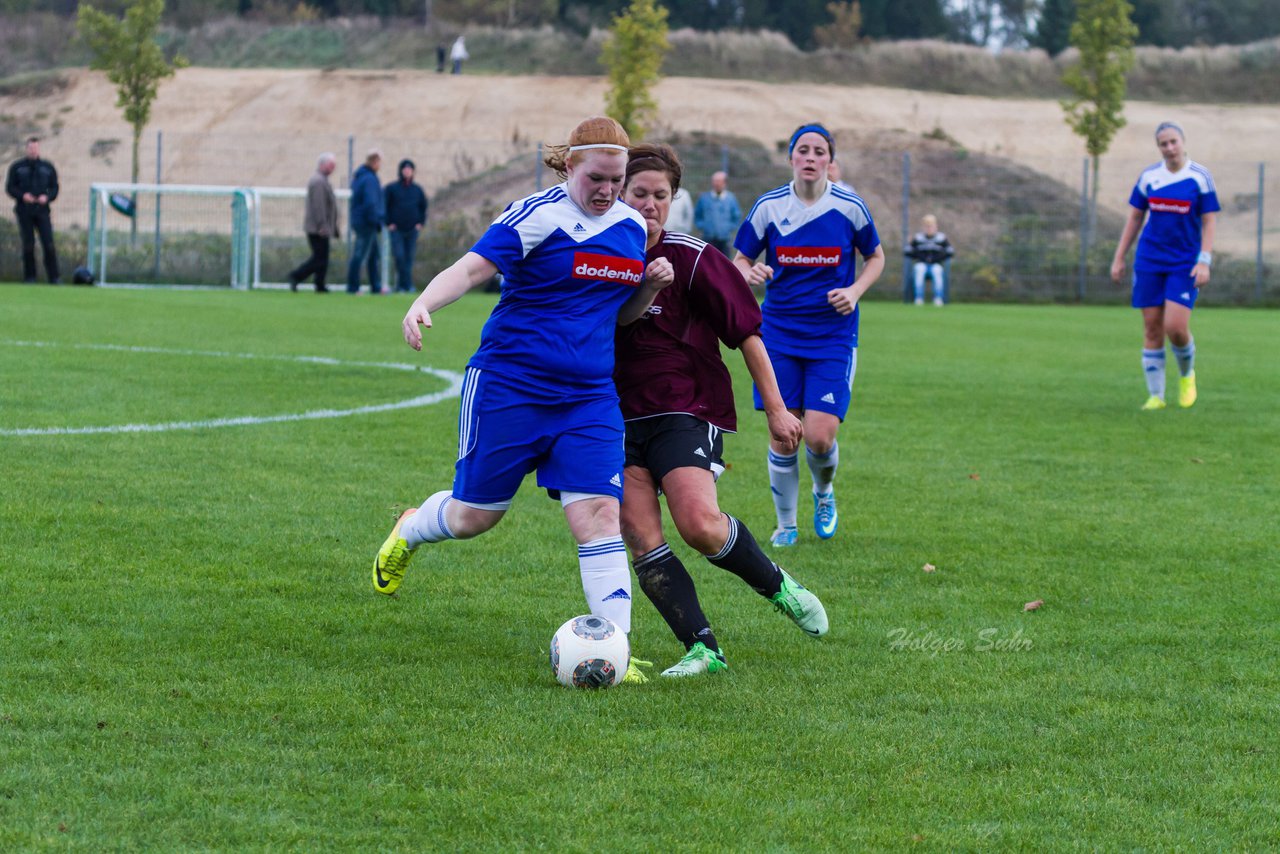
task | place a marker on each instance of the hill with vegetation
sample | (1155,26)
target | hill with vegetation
(1247,73)
(991,168)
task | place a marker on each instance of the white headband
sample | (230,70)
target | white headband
(609,145)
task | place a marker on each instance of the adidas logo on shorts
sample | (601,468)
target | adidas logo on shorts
(828,398)
(701,453)
(616,480)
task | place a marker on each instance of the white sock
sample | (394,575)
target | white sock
(784,483)
(1153,367)
(606,580)
(428,524)
(823,467)
(1186,357)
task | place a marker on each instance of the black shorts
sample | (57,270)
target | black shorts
(666,442)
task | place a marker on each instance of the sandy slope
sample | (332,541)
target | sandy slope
(265,126)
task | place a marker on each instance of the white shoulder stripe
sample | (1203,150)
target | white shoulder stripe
(862,206)
(527,205)
(779,193)
(1197,168)
(1154,167)
(683,239)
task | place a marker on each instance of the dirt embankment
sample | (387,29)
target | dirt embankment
(266,126)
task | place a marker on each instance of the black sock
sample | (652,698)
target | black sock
(669,587)
(742,556)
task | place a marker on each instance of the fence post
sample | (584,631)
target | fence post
(256,272)
(1084,231)
(351,170)
(103,203)
(537,170)
(908,292)
(724,157)
(155,272)
(91,234)
(1262,175)
(388,262)
(239,237)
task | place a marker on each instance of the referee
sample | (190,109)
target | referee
(33,185)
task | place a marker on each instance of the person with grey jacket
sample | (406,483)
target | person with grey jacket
(320,223)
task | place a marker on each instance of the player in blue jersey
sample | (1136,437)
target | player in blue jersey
(808,231)
(1172,263)
(538,394)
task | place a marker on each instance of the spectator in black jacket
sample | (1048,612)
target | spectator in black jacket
(33,185)
(930,249)
(406,216)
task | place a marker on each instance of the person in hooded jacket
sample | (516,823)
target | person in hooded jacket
(365,218)
(406,206)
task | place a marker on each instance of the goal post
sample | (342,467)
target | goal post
(195,235)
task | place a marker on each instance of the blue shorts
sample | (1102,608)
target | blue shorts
(818,385)
(1152,289)
(506,430)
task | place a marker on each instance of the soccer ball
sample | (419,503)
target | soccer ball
(589,652)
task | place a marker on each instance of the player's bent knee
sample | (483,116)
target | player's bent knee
(641,535)
(467,521)
(821,444)
(591,517)
(704,529)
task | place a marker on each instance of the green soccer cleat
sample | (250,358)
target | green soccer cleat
(804,609)
(393,558)
(697,661)
(783,537)
(825,517)
(634,676)
(1187,390)
(1153,403)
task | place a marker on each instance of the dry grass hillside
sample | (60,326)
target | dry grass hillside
(266,126)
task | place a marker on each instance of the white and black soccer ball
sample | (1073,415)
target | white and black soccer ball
(590,652)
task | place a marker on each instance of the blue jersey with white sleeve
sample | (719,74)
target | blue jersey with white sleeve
(811,250)
(1170,241)
(566,274)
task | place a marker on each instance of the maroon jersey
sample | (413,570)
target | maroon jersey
(669,361)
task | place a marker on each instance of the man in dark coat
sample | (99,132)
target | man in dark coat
(365,219)
(33,185)
(406,205)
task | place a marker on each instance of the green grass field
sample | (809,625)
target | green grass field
(191,655)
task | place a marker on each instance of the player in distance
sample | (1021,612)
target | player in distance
(808,231)
(1173,259)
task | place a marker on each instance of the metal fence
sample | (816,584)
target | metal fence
(1023,230)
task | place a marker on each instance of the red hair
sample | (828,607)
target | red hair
(597,130)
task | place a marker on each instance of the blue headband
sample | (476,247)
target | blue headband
(1171,126)
(818,129)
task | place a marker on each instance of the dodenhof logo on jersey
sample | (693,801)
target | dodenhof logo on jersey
(1178,206)
(609,268)
(809,256)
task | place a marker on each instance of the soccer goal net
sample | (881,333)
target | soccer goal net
(202,236)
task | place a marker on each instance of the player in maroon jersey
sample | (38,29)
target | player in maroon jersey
(677,402)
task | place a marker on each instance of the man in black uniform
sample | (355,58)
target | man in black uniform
(33,185)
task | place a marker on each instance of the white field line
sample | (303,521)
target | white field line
(453,389)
